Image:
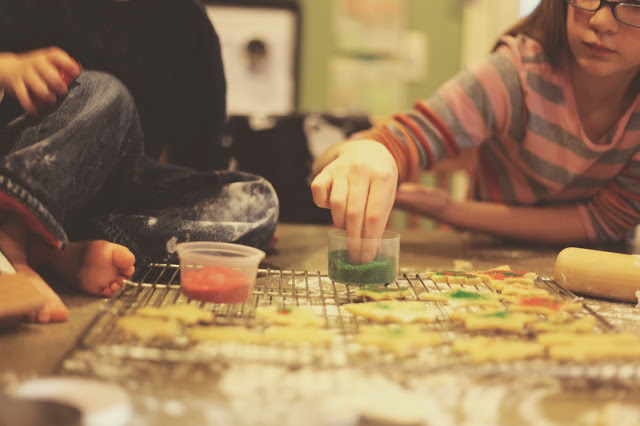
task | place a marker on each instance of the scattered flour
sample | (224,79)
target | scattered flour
(171,245)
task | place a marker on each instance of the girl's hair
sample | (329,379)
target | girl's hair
(547,24)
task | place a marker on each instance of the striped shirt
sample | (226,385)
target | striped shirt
(521,116)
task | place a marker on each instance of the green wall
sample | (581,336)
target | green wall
(440,20)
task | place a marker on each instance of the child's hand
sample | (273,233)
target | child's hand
(430,202)
(359,187)
(36,78)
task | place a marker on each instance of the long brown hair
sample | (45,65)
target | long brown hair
(548,25)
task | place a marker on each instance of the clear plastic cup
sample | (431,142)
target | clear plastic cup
(218,272)
(361,261)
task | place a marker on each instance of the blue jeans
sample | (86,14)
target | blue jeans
(79,172)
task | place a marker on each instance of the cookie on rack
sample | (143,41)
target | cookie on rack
(149,328)
(523,290)
(225,334)
(394,311)
(546,305)
(290,315)
(565,323)
(485,349)
(447,276)
(381,292)
(399,339)
(298,335)
(502,320)
(500,277)
(460,298)
(591,346)
(184,313)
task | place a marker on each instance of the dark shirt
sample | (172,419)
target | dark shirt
(165,51)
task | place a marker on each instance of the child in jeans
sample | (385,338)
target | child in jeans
(79,195)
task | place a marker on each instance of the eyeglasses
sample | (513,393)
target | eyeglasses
(627,13)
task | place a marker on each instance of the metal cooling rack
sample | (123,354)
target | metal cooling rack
(159,285)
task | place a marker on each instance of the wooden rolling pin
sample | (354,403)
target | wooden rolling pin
(599,273)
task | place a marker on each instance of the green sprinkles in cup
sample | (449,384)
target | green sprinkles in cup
(381,270)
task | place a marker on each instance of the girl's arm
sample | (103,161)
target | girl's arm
(561,224)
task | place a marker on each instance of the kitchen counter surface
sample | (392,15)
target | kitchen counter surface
(342,396)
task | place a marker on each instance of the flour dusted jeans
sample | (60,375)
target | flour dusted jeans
(78,172)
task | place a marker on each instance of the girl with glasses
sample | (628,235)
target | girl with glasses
(548,127)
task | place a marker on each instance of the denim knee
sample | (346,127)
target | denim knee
(106,95)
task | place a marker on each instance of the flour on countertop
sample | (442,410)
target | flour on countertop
(171,245)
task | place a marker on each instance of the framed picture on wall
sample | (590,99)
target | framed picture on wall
(260,44)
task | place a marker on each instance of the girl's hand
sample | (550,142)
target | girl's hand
(430,202)
(36,78)
(359,187)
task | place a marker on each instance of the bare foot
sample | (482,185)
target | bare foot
(54,310)
(14,238)
(96,267)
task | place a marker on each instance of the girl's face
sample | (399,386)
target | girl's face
(601,45)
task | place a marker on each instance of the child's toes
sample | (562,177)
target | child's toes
(123,259)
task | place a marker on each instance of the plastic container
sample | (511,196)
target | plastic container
(360,261)
(218,272)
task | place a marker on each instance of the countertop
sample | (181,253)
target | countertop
(31,351)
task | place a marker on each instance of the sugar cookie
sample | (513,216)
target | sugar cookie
(460,298)
(290,315)
(591,346)
(148,328)
(225,334)
(382,292)
(524,290)
(454,277)
(587,339)
(500,277)
(513,322)
(400,339)
(186,314)
(296,335)
(393,311)
(543,305)
(565,323)
(484,349)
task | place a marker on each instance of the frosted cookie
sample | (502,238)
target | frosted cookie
(393,311)
(446,276)
(400,339)
(501,320)
(499,278)
(484,349)
(186,314)
(225,334)
(565,323)
(460,298)
(543,305)
(148,328)
(524,290)
(381,292)
(290,315)
(591,346)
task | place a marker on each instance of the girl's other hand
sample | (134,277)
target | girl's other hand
(422,200)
